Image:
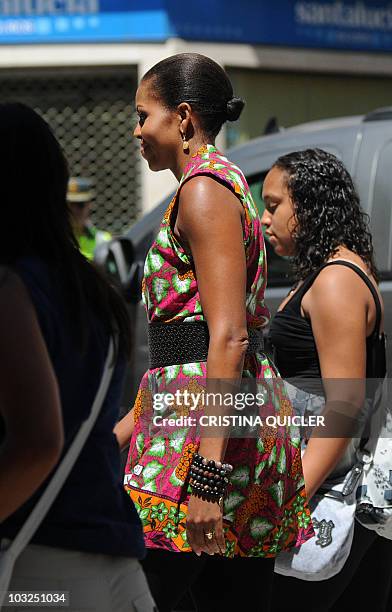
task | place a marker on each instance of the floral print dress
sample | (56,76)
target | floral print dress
(265,509)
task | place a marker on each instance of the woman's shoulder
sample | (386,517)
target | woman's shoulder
(21,273)
(342,272)
(12,288)
(339,283)
(204,198)
(15,301)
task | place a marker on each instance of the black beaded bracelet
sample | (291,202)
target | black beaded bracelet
(208,478)
(214,466)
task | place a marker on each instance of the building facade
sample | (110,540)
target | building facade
(78,63)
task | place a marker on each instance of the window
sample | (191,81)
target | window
(91,113)
(381,215)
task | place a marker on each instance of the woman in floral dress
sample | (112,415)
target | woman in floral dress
(207,263)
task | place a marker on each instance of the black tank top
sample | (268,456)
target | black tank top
(295,351)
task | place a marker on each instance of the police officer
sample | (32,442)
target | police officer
(79,196)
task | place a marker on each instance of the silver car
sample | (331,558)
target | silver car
(363,143)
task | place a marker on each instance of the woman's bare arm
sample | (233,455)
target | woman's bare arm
(209,222)
(29,400)
(337,306)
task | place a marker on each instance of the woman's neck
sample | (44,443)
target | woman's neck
(184,157)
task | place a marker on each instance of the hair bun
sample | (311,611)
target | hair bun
(234,108)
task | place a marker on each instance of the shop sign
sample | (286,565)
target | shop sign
(336,24)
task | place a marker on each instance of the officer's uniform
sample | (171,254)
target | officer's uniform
(90,239)
(80,192)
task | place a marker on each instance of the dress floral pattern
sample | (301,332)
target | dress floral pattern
(265,509)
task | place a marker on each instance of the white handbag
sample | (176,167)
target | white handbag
(333,514)
(323,556)
(9,556)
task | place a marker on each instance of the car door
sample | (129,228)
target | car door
(123,261)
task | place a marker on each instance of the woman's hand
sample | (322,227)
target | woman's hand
(205,517)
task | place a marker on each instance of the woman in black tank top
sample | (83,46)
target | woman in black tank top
(321,332)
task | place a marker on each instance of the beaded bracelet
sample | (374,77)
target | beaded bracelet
(208,478)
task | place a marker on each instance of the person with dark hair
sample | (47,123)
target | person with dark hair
(57,316)
(203,289)
(321,333)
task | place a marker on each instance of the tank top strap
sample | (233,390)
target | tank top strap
(294,304)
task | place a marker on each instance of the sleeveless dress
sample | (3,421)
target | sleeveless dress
(265,509)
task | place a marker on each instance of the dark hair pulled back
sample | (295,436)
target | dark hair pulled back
(327,210)
(202,83)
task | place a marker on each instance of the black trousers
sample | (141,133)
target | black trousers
(215,583)
(365,577)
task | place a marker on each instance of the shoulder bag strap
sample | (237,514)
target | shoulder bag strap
(43,505)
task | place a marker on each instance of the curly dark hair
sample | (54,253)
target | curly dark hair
(327,211)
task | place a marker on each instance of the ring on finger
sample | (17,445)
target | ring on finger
(209,535)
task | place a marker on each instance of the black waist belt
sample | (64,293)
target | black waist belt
(177,343)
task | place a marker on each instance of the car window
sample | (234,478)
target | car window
(381,215)
(279,269)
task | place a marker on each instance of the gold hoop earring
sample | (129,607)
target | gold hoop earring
(185,143)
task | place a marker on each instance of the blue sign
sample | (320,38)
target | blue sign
(334,24)
(331,24)
(61,21)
